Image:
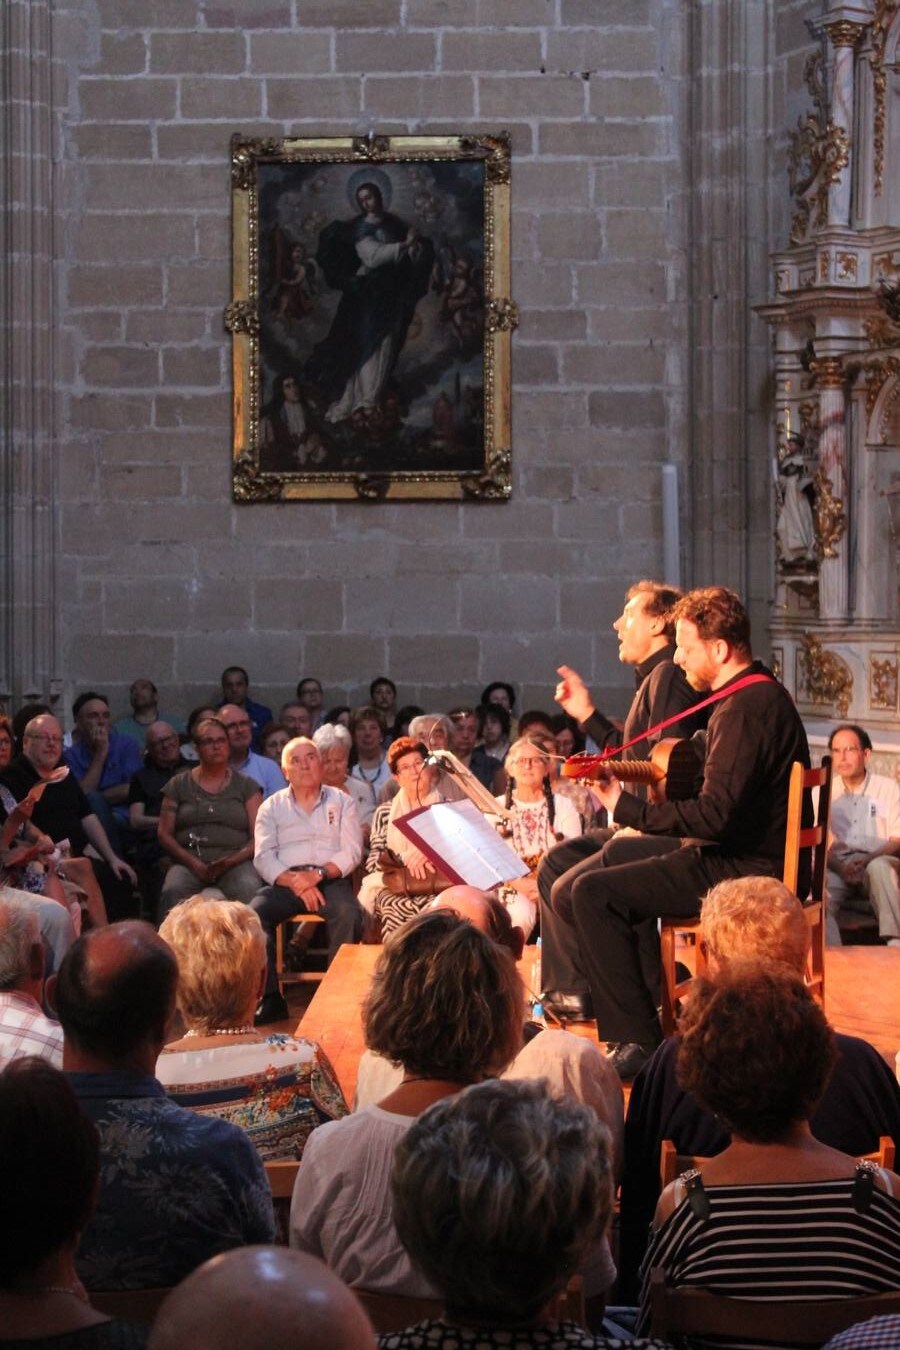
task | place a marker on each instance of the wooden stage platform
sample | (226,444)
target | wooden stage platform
(862,998)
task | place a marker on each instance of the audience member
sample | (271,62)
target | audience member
(103,761)
(572,1065)
(340,713)
(296,719)
(383,697)
(539,818)
(404,717)
(568,736)
(261,1298)
(244,760)
(144,700)
(534,720)
(24,1030)
(175,1187)
(7,743)
(49,1166)
(370,764)
(64,812)
(434,729)
(272,739)
(162,760)
(23,716)
(235,684)
(308,842)
(495,728)
(778,1213)
(748,919)
(499,694)
(877,1333)
(334,744)
(446,1004)
(54,924)
(864,856)
(499,1194)
(309,693)
(275,1088)
(466,732)
(206,824)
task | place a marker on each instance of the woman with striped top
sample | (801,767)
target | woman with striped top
(777,1215)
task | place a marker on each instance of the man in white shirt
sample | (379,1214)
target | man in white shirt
(24,1030)
(244,760)
(864,856)
(308,842)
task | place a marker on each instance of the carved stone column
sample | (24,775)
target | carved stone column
(27,561)
(843,37)
(831,489)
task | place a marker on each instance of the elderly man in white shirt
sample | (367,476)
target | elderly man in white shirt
(308,842)
(864,856)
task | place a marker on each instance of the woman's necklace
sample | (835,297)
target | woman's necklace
(53,1289)
(362,772)
(222,1031)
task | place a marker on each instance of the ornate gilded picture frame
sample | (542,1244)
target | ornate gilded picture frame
(371,318)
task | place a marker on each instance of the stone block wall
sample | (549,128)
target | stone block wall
(159,573)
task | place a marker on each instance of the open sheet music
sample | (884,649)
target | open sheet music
(456,837)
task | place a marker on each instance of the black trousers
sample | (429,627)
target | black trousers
(342,913)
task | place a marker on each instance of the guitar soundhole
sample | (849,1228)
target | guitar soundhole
(684,777)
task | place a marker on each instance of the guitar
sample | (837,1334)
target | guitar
(674,771)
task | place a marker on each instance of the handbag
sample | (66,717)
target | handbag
(399,881)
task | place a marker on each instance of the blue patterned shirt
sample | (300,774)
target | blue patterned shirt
(175,1188)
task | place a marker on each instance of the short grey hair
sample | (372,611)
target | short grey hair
(421,727)
(331,736)
(19,932)
(498,1193)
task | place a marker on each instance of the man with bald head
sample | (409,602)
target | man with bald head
(258,1298)
(175,1187)
(308,842)
(162,760)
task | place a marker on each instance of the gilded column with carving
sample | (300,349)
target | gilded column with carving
(843,37)
(831,489)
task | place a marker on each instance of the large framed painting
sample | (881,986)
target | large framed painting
(371,318)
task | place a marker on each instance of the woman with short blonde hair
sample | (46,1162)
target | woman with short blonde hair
(221,950)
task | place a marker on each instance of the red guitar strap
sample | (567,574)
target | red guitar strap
(688,712)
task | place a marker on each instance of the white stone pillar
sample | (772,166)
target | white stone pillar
(831,489)
(843,36)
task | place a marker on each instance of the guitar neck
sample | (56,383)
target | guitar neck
(626,770)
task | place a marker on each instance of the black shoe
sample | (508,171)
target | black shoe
(572,1005)
(272,1008)
(629,1058)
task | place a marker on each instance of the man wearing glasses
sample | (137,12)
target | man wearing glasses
(65,813)
(266,772)
(162,760)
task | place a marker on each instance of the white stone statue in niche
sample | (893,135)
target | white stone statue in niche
(795,527)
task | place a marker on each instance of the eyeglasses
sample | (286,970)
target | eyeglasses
(46,740)
(213,740)
(163,740)
(526,763)
(417,767)
(238,722)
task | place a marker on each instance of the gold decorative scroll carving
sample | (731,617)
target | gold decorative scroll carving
(827,676)
(883,684)
(884,16)
(819,150)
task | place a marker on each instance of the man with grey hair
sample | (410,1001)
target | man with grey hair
(24,1030)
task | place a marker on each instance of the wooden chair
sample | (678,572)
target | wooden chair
(129,1305)
(797,840)
(694,1312)
(393,1312)
(283,976)
(281,1175)
(672,1163)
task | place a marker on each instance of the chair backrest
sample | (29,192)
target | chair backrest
(815,837)
(129,1305)
(393,1312)
(694,1312)
(672,1163)
(281,1174)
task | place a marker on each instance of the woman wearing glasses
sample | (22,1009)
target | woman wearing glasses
(539,819)
(206,824)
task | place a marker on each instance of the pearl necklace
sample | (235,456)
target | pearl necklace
(222,1031)
(53,1289)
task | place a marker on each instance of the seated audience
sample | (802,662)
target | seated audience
(276,1088)
(463,743)
(308,844)
(495,728)
(175,1187)
(370,764)
(23,716)
(864,854)
(539,819)
(64,812)
(261,1298)
(499,1194)
(434,729)
(162,760)
(272,739)
(103,761)
(500,694)
(144,700)
(296,719)
(578,793)
(49,1166)
(235,684)
(309,693)
(244,760)
(568,735)
(383,697)
(747,919)
(572,1065)
(778,1215)
(534,720)
(404,717)
(24,1029)
(341,713)
(206,824)
(7,742)
(334,744)
(446,1004)
(54,924)
(195,716)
